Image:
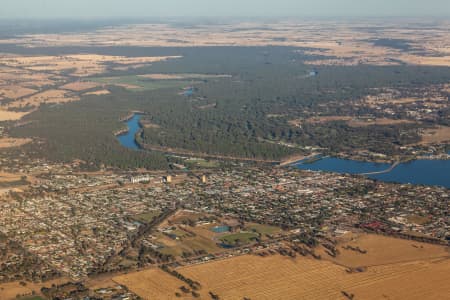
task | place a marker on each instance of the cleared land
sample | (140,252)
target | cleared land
(10,290)
(378,122)
(136,82)
(436,135)
(100,92)
(352,121)
(238,238)
(80,86)
(422,270)
(15,91)
(183,76)
(11,115)
(13,142)
(344,44)
(382,250)
(79,64)
(152,284)
(278,277)
(50,96)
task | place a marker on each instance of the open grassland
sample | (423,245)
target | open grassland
(11,115)
(378,122)
(278,277)
(421,270)
(436,135)
(186,242)
(151,284)
(49,96)
(78,64)
(353,121)
(80,86)
(147,217)
(341,42)
(262,229)
(9,177)
(98,93)
(183,76)
(9,291)
(13,142)
(134,82)
(183,216)
(238,238)
(15,91)
(418,280)
(382,250)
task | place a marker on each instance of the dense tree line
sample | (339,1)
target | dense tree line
(243,115)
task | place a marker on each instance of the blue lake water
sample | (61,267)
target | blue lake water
(220,229)
(127,139)
(426,172)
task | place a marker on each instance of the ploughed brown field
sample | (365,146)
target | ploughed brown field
(421,270)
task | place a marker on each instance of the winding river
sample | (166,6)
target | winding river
(127,139)
(426,172)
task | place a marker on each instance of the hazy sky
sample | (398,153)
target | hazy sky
(225,8)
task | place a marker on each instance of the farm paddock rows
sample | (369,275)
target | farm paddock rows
(422,274)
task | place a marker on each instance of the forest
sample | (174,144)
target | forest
(246,114)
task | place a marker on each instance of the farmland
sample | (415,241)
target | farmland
(381,250)
(140,83)
(366,267)
(11,143)
(151,284)
(198,206)
(11,115)
(278,277)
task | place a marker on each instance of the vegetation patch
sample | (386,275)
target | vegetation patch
(239,238)
(147,217)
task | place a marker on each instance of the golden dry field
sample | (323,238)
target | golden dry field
(78,64)
(352,121)
(422,270)
(9,291)
(277,277)
(436,135)
(151,284)
(100,92)
(349,44)
(14,91)
(49,96)
(383,250)
(80,86)
(13,142)
(11,115)
(378,121)
(182,76)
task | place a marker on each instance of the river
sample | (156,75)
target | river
(426,172)
(128,139)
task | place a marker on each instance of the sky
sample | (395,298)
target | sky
(55,9)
